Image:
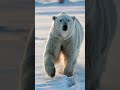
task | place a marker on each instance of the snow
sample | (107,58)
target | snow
(43,19)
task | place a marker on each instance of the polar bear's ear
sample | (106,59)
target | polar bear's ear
(54,17)
(73,17)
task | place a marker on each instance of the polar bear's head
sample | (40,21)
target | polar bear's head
(63,23)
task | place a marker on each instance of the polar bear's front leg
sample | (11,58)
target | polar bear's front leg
(51,54)
(69,67)
(49,65)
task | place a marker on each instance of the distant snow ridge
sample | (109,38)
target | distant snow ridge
(39,3)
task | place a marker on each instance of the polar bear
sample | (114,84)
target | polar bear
(66,36)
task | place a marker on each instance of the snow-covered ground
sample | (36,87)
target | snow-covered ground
(43,19)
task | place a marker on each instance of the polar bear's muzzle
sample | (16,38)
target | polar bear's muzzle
(65,27)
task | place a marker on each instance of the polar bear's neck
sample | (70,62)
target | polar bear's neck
(54,32)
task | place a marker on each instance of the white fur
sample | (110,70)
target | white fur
(65,42)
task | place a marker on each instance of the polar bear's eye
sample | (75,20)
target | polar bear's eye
(60,20)
(68,20)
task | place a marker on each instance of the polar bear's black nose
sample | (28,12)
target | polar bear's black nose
(65,27)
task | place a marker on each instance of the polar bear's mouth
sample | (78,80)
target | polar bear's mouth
(65,27)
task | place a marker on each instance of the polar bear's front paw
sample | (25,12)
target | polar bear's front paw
(50,70)
(68,73)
